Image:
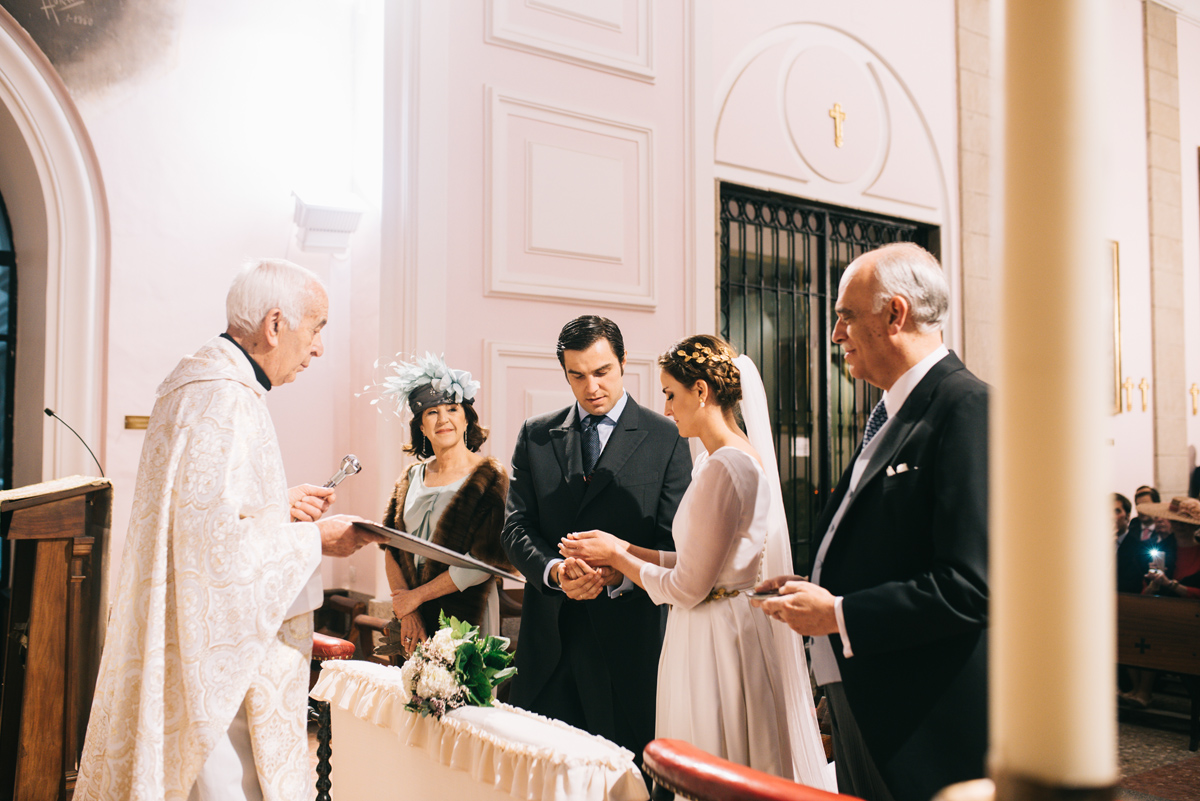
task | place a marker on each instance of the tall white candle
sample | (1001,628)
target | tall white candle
(1052,689)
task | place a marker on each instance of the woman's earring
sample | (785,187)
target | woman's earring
(701,404)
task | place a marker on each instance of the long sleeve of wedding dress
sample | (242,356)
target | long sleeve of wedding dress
(720,505)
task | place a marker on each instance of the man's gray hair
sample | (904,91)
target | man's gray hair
(910,271)
(265,284)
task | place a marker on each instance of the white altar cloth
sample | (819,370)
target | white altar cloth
(381,750)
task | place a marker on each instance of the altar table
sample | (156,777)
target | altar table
(381,750)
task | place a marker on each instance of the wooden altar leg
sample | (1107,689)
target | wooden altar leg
(320,709)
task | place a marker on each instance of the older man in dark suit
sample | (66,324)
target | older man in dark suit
(589,640)
(898,602)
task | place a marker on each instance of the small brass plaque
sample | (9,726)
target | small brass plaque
(137,422)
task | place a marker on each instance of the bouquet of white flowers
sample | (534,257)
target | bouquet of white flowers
(454,668)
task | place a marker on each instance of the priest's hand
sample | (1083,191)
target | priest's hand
(807,608)
(309,502)
(340,537)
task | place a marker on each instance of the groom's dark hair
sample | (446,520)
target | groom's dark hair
(583,332)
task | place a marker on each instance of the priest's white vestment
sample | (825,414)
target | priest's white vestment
(211,565)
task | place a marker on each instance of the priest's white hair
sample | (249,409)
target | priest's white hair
(265,284)
(907,270)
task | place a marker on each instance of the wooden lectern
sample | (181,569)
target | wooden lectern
(55,535)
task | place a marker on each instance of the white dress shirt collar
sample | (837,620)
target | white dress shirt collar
(895,397)
(613,414)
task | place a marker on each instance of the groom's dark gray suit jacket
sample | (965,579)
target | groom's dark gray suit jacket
(909,558)
(633,493)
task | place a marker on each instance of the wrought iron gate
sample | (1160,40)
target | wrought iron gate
(781,260)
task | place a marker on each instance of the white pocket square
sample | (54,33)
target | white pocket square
(898,469)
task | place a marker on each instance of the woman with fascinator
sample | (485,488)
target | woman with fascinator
(452,497)
(731,681)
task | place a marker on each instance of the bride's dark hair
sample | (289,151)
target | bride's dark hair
(707,357)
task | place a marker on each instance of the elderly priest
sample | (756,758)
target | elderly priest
(203,680)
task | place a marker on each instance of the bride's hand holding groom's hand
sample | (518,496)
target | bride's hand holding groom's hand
(595,547)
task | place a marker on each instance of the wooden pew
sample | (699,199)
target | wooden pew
(1163,634)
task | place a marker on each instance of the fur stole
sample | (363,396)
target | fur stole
(470,524)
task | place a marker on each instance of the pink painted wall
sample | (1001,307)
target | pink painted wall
(527,247)
(1132,433)
(199,158)
(1189,142)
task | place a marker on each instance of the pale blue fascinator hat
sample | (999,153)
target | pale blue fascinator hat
(426,382)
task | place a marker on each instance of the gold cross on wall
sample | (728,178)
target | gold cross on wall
(1144,386)
(1128,387)
(839,117)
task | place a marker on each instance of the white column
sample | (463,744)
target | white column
(1052,695)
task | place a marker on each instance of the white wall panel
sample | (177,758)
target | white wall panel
(575,203)
(568,189)
(610,35)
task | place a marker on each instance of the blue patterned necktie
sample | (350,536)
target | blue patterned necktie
(875,422)
(590,441)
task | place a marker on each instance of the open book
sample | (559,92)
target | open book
(415,545)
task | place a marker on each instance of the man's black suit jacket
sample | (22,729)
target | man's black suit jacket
(909,558)
(633,493)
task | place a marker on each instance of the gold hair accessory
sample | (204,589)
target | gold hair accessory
(702,355)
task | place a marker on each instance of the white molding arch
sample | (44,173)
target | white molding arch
(799,35)
(51,183)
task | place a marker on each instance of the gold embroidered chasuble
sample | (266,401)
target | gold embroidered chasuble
(211,565)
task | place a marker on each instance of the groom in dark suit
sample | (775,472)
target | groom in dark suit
(589,640)
(898,602)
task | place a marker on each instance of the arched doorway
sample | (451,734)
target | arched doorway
(50,180)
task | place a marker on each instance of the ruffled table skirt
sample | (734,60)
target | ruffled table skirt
(381,750)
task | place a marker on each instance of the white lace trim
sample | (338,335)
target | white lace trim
(526,755)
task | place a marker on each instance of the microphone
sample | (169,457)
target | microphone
(50,413)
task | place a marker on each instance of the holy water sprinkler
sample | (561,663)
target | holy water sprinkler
(350,466)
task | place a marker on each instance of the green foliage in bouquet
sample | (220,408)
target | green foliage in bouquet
(454,668)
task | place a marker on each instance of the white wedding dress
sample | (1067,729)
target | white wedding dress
(731,681)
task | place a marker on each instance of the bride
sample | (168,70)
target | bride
(731,681)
